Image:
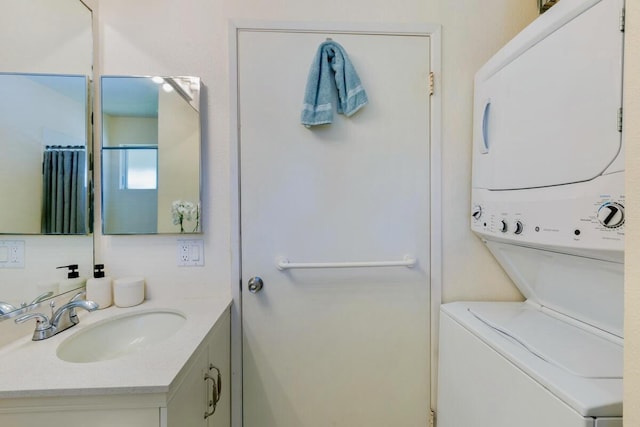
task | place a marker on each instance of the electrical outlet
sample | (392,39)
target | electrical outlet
(183,254)
(190,252)
(11,253)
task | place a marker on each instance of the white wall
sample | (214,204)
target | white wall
(632,248)
(193,40)
(46,36)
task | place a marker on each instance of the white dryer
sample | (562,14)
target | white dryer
(548,201)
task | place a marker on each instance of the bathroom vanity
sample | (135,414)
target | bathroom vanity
(177,381)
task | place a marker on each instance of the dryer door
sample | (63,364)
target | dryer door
(546,105)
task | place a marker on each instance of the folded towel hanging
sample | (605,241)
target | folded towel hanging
(331,66)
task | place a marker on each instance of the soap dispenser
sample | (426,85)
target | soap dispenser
(73,280)
(99,288)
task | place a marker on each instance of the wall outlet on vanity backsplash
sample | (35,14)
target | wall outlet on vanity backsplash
(190,252)
(11,253)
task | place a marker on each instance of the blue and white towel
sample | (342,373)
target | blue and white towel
(331,66)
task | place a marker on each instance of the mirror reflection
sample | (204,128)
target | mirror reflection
(43,169)
(150,155)
(47,50)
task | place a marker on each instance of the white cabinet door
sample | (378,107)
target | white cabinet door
(335,347)
(195,394)
(187,407)
(220,358)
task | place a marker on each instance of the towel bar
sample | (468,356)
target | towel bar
(284,264)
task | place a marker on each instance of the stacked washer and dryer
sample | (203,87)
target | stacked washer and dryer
(548,202)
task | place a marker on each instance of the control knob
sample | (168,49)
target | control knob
(519,228)
(476,212)
(503,226)
(611,215)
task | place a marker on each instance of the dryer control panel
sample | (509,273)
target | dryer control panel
(584,217)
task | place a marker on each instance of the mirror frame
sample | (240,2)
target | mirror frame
(189,211)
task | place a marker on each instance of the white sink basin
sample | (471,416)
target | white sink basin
(119,336)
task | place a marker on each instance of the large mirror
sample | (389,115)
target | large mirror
(150,155)
(43,169)
(46,56)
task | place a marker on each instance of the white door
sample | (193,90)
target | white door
(335,346)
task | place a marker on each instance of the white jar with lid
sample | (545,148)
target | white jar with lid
(128,291)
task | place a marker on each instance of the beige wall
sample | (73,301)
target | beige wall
(125,130)
(472,32)
(178,158)
(193,40)
(632,249)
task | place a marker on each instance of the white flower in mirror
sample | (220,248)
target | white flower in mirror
(183,211)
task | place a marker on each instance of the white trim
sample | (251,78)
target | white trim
(410,29)
(435,204)
(234,179)
(413,29)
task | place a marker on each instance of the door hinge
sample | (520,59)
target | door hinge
(620,119)
(622,19)
(431,83)
(432,419)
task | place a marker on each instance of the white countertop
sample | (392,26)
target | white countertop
(32,369)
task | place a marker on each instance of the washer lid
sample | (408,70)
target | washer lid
(568,347)
(582,366)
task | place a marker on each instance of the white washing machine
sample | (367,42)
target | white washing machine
(548,201)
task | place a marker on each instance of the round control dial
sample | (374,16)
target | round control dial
(476,212)
(503,226)
(519,228)
(611,215)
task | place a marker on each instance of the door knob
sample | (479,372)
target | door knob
(255,284)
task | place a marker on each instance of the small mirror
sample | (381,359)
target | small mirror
(150,155)
(43,169)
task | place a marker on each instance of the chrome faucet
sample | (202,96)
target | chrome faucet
(62,319)
(5,308)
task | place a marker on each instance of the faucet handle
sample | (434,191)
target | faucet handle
(42,320)
(5,308)
(39,298)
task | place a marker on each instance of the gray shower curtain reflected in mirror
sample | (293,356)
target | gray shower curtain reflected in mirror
(64,190)
(40,113)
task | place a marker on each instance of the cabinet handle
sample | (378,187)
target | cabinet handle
(216,390)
